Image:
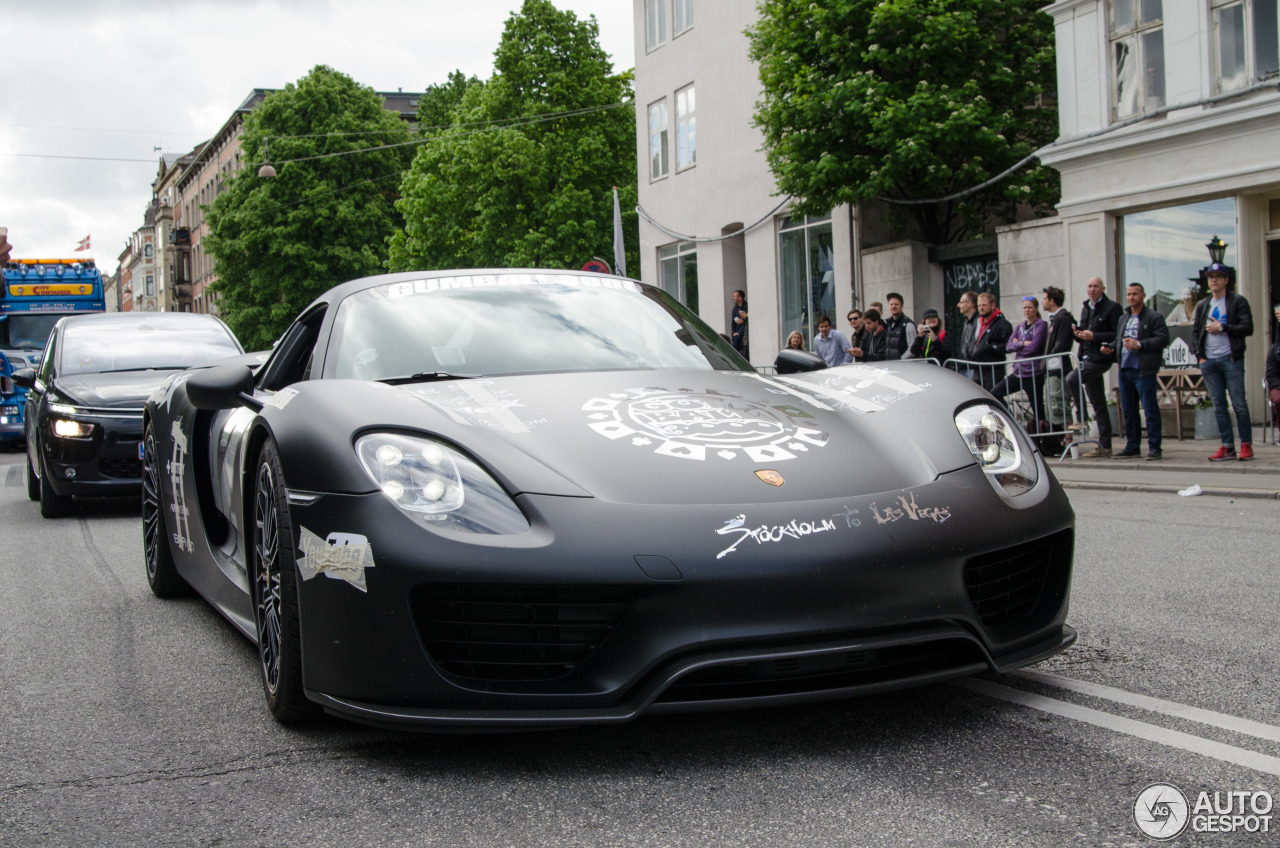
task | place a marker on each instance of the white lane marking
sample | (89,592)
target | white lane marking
(1152,733)
(1157,705)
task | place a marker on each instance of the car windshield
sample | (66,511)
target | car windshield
(158,342)
(494,325)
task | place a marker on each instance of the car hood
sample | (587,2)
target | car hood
(666,436)
(111,390)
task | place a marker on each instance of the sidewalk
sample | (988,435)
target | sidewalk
(1185,463)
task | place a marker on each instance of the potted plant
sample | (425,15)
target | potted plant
(1206,420)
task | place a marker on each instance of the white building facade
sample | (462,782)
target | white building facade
(703,174)
(1170,135)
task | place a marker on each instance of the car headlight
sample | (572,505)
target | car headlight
(65,428)
(1002,450)
(430,480)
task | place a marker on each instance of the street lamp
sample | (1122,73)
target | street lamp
(1217,249)
(266,172)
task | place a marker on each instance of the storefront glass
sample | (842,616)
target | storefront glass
(806,273)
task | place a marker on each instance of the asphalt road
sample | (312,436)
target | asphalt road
(127,720)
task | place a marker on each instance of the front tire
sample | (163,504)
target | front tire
(52,504)
(33,482)
(162,573)
(275,593)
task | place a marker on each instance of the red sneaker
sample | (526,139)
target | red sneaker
(1246,451)
(1224,453)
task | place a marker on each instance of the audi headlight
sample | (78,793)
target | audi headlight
(432,481)
(1002,450)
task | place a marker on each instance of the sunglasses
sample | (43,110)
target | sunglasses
(1030,297)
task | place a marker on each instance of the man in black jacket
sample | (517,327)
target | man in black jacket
(874,349)
(1096,334)
(1143,337)
(1223,321)
(990,341)
(1060,340)
(899,326)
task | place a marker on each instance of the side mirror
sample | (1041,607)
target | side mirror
(25,377)
(791,361)
(220,387)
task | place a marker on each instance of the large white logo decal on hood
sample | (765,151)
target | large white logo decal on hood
(697,425)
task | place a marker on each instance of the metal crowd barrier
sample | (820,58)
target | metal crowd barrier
(1040,403)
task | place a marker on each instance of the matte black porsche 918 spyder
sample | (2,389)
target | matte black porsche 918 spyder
(514,499)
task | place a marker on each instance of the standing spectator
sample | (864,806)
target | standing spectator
(874,346)
(990,341)
(899,326)
(1143,337)
(1027,342)
(738,322)
(1273,378)
(857,334)
(931,340)
(1059,340)
(831,344)
(877,306)
(968,307)
(1096,334)
(795,341)
(1223,321)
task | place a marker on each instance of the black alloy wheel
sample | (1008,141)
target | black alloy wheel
(162,573)
(275,593)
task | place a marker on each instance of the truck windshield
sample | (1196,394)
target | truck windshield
(26,332)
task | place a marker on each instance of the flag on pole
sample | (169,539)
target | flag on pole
(84,244)
(619,248)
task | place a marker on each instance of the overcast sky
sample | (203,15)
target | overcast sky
(129,79)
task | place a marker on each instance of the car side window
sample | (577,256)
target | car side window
(45,374)
(291,362)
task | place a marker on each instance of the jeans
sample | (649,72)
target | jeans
(1222,377)
(1090,374)
(1134,387)
(1033,386)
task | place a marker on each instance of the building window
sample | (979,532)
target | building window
(147,250)
(1247,39)
(806,274)
(151,284)
(658,140)
(678,272)
(683,16)
(655,23)
(686,129)
(1137,51)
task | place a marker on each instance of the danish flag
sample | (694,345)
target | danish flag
(84,244)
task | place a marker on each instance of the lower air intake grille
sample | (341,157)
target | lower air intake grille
(122,469)
(515,633)
(1007,586)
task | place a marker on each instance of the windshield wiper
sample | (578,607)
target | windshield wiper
(427,377)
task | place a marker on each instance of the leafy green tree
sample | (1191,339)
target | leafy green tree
(435,109)
(523,177)
(324,219)
(908,99)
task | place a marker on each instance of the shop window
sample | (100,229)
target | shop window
(658,140)
(686,129)
(1246,41)
(1137,51)
(806,274)
(678,272)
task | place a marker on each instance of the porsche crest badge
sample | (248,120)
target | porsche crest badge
(770,476)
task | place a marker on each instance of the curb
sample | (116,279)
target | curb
(1214,491)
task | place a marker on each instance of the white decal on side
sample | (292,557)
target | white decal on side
(860,387)
(280,399)
(478,403)
(340,556)
(694,425)
(177,467)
